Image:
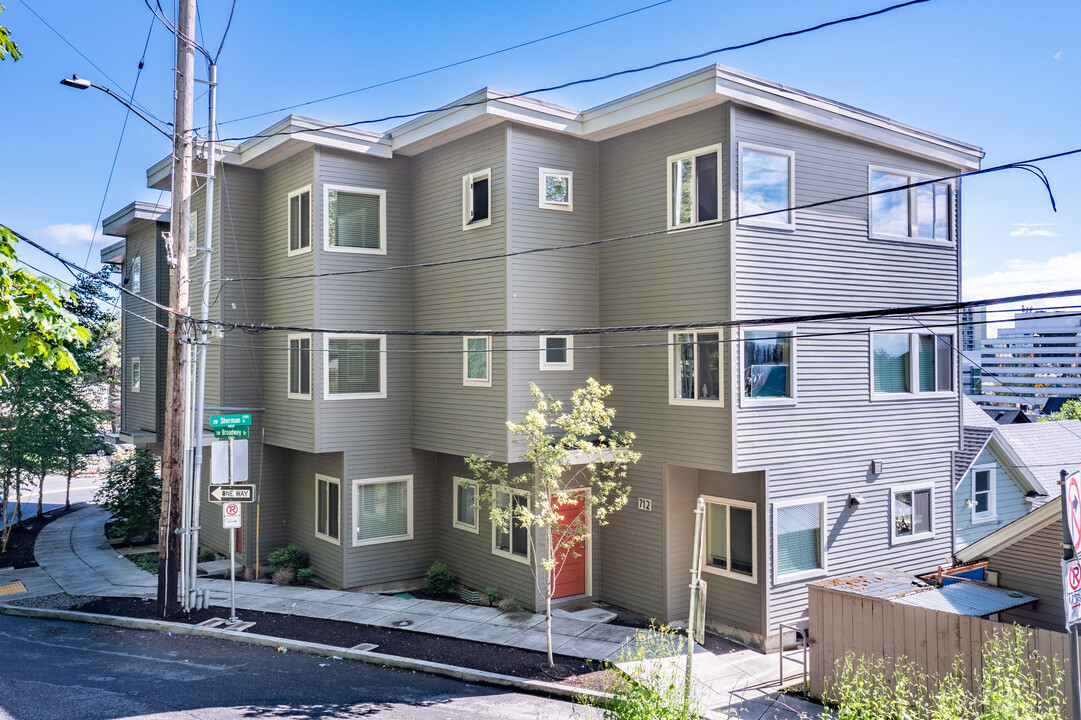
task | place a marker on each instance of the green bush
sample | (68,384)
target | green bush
(304,575)
(207,555)
(285,576)
(131,492)
(439,578)
(289,557)
(653,689)
(491,595)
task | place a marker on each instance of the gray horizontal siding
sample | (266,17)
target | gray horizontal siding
(139,410)
(1009,503)
(1033,565)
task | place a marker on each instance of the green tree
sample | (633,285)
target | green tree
(568,452)
(7,45)
(1071,410)
(131,492)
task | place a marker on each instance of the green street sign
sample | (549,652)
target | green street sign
(230,420)
(237,433)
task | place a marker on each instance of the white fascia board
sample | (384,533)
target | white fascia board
(1005,536)
(113,254)
(1002,447)
(119,224)
(605,120)
(305,132)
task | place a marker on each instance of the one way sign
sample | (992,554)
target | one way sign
(232,493)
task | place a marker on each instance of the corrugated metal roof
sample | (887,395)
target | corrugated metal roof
(966,598)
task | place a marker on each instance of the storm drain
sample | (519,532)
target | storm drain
(12,588)
(364,647)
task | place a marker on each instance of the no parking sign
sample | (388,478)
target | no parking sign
(1071,591)
(230,515)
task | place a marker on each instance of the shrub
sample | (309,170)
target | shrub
(131,492)
(653,686)
(304,575)
(285,576)
(207,555)
(439,578)
(289,557)
(509,604)
(491,595)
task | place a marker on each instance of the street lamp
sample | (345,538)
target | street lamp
(82,84)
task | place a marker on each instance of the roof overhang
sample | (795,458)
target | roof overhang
(121,222)
(1007,535)
(114,254)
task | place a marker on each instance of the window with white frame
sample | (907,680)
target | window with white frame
(766,185)
(557,352)
(911,363)
(799,541)
(193,237)
(355,366)
(694,189)
(911,513)
(327,508)
(768,368)
(921,212)
(300,220)
(476,199)
(511,539)
(477,361)
(556,189)
(137,275)
(354,219)
(983,493)
(731,538)
(136,374)
(465,505)
(695,367)
(300,367)
(382,510)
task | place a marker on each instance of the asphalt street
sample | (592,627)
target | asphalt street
(51,669)
(83,488)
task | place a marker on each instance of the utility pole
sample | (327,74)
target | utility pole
(172,463)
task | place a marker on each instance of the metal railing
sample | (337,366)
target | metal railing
(800,631)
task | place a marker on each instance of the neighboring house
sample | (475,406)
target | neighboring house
(820,448)
(1008,415)
(1036,359)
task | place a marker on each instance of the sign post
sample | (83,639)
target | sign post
(232,427)
(1071,576)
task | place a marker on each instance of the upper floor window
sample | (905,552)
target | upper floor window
(355,219)
(300,220)
(921,212)
(355,366)
(768,368)
(695,367)
(476,199)
(477,361)
(557,352)
(556,188)
(193,237)
(766,185)
(300,366)
(983,493)
(911,513)
(136,374)
(137,275)
(694,188)
(911,363)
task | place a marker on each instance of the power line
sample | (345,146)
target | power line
(447,66)
(598,78)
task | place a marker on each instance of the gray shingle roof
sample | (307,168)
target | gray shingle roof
(972,443)
(975,416)
(1045,448)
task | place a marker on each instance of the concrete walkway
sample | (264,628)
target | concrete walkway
(78,560)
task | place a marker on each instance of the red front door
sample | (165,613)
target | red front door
(571,577)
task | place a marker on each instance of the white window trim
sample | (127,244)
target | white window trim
(327,395)
(467,199)
(753,507)
(790,330)
(474,382)
(544,202)
(289,221)
(408,509)
(382,194)
(670,198)
(553,366)
(137,274)
(992,497)
(769,221)
(821,501)
(337,483)
(475,527)
(503,553)
(709,402)
(913,367)
(915,537)
(289,367)
(136,362)
(910,238)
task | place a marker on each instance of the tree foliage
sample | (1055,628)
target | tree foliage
(131,493)
(1071,410)
(7,45)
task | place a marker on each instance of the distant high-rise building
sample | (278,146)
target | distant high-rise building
(973,331)
(1037,359)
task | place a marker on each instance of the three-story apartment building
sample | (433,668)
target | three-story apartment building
(819,447)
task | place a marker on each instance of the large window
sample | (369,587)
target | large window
(983,493)
(695,367)
(799,545)
(511,539)
(465,505)
(136,374)
(694,187)
(768,369)
(300,220)
(731,538)
(766,185)
(355,219)
(556,189)
(911,513)
(921,212)
(911,363)
(382,510)
(137,275)
(300,366)
(476,199)
(477,361)
(355,366)
(557,352)
(327,508)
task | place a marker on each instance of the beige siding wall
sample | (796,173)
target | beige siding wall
(1033,565)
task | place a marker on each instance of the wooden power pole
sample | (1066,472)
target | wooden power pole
(172,462)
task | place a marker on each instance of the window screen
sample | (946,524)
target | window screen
(382,510)
(353,365)
(799,538)
(354,220)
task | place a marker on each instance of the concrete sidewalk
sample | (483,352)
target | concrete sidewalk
(77,559)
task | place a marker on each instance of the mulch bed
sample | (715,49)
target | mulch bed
(19,552)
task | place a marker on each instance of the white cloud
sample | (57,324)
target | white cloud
(1024,277)
(66,234)
(1028,230)
(1058,55)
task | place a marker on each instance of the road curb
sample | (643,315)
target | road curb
(536,687)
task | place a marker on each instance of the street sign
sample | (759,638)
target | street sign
(232,493)
(230,515)
(230,420)
(237,433)
(1071,591)
(1072,491)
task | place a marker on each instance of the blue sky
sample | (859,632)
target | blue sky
(1003,75)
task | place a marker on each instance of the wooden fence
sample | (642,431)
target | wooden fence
(841,622)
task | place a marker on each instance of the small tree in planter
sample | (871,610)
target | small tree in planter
(131,493)
(568,452)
